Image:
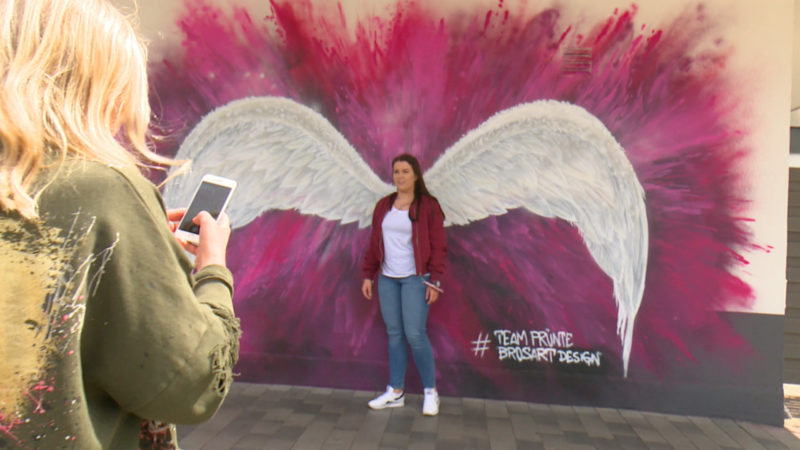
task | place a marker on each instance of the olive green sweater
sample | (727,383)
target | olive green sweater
(105,322)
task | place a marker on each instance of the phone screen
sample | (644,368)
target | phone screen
(210,197)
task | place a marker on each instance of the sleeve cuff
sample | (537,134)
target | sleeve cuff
(215,272)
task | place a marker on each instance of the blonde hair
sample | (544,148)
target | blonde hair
(73,83)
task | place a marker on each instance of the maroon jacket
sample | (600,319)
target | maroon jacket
(427,236)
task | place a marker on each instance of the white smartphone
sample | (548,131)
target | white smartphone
(212,195)
(429,284)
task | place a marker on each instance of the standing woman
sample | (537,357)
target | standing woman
(407,249)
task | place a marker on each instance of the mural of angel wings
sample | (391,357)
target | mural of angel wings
(552,158)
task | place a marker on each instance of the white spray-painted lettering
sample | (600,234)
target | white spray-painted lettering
(542,346)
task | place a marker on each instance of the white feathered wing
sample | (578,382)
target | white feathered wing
(556,160)
(284,156)
(552,158)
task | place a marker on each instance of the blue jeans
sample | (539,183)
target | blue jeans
(405,313)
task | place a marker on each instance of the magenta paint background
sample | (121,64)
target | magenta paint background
(417,81)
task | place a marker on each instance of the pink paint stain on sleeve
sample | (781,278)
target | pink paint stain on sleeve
(414,81)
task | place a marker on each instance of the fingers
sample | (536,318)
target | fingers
(224,220)
(366,289)
(174,217)
(213,239)
(202,217)
(431,295)
(188,246)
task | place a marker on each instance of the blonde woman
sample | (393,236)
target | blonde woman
(108,328)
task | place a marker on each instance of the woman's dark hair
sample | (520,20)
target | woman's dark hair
(419,186)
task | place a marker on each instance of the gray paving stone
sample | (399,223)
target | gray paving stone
(475,428)
(624,442)
(563,410)
(265,427)
(672,435)
(449,406)
(277,444)
(277,387)
(422,446)
(701,441)
(474,406)
(517,407)
(496,409)
(397,440)
(288,432)
(738,434)
(610,415)
(594,425)
(371,430)
(254,389)
(449,428)
(660,446)
(222,418)
(195,438)
(298,419)
(527,445)
(250,442)
(425,424)
(620,429)
(758,432)
(783,436)
(449,444)
(294,417)
(715,433)
(540,408)
(339,439)
(501,434)
(278,413)
(561,442)
(567,423)
(415,445)
(422,438)
(315,434)
(649,435)
(547,429)
(220,441)
(352,421)
(524,428)
(634,417)
(400,424)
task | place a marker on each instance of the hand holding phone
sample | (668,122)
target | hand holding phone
(213,244)
(212,195)
(431,285)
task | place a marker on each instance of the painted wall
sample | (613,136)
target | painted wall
(650,206)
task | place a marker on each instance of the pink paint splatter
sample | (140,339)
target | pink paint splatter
(417,82)
(6,427)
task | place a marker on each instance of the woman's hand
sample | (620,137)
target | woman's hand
(431,295)
(366,288)
(174,217)
(213,238)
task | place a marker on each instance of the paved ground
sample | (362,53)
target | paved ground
(260,416)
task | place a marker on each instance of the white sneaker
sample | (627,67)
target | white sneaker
(389,399)
(430,404)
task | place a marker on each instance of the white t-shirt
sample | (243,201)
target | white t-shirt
(399,260)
